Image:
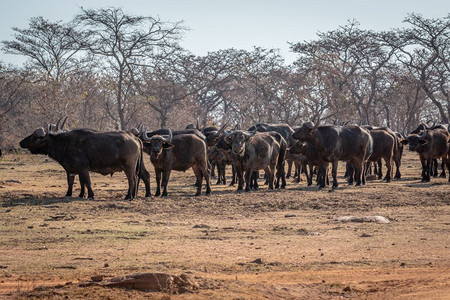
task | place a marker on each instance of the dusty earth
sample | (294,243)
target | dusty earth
(284,244)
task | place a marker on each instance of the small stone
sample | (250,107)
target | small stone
(97,278)
(258,261)
(347,289)
(290,216)
(365,235)
(402,264)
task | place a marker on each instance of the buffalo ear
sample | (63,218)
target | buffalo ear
(168,145)
(404,141)
(423,142)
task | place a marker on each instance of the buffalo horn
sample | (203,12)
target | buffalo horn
(404,135)
(145,137)
(168,139)
(61,128)
(57,123)
(251,133)
(222,129)
(424,133)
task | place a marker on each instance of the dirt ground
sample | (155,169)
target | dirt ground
(286,244)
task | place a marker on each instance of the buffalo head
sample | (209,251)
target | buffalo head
(304,133)
(415,141)
(157,143)
(37,141)
(237,140)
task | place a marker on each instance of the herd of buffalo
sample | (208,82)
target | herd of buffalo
(310,148)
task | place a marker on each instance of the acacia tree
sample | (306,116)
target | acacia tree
(209,82)
(49,46)
(333,60)
(424,50)
(123,44)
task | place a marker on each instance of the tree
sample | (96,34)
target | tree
(124,43)
(424,50)
(49,45)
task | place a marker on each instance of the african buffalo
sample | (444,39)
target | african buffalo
(252,152)
(347,143)
(430,144)
(82,150)
(179,153)
(383,147)
(284,130)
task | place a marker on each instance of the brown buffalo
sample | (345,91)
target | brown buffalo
(179,153)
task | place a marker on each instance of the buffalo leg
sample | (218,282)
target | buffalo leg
(434,168)
(425,169)
(198,175)
(289,170)
(351,173)
(81,195)
(380,169)
(358,172)
(447,162)
(213,167)
(310,175)
(248,179)
(70,180)
(443,169)
(321,173)
(233,175)
(130,172)
(145,176)
(398,163)
(205,174)
(222,173)
(334,166)
(389,169)
(239,177)
(165,182)
(281,175)
(158,182)
(84,177)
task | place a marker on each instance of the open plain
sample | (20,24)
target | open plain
(282,244)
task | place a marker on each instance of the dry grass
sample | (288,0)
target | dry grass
(264,244)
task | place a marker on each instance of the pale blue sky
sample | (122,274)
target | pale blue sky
(232,23)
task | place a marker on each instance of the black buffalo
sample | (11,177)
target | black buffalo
(80,151)
(430,144)
(347,143)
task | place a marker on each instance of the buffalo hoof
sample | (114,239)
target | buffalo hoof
(442,175)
